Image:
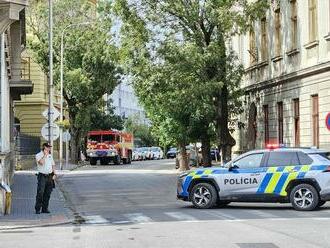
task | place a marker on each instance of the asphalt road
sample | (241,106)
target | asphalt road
(135,206)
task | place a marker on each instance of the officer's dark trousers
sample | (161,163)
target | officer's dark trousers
(45,187)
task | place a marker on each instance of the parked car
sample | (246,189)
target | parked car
(138,154)
(215,154)
(171,153)
(156,153)
(146,152)
(135,154)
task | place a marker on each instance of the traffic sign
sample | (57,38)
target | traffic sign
(53,111)
(55,129)
(327,121)
(66,136)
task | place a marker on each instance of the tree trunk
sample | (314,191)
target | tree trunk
(75,145)
(226,141)
(183,158)
(206,151)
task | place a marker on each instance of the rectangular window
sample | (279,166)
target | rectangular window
(278,36)
(253,48)
(312,17)
(296,117)
(264,42)
(315,120)
(266,124)
(280,122)
(294,24)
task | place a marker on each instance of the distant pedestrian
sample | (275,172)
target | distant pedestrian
(46,176)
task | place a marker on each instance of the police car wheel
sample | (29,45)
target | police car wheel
(304,197)
(203,195)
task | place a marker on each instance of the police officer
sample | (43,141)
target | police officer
(46,176)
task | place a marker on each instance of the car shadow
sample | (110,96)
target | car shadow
(256,207)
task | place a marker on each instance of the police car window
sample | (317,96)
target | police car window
(250,161)
(282,159)
(304,159)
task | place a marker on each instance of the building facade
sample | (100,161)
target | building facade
(126,103)
(287,82)
(12,86)
(28,113)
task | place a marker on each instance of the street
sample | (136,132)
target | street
(135,206)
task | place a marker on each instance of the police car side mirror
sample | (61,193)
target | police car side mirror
(232,166)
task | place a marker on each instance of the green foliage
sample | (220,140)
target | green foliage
(142,132)
(185,73)
(90,59)
(105,121)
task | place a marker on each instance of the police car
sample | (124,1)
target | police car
(300,176)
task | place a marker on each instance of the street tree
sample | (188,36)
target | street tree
(182,48)
(141,131)
(102,119)
(90,69)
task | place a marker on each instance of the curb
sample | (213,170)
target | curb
(4,228)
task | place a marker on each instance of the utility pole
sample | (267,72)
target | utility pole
(50,107)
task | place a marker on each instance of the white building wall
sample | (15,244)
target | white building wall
(5,102)
(126,103)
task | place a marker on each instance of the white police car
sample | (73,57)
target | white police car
(297,175)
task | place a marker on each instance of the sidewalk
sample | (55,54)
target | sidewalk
(23,200)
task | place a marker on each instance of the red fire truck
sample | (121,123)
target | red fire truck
(109,145)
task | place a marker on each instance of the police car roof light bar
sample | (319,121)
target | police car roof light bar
(275,146)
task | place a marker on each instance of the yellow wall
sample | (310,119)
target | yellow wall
(29,109)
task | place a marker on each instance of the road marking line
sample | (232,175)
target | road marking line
(95,219)
(181,216)
(221,215)
(321,218)
(138,218)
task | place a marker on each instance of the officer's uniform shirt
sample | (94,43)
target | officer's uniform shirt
(47,167)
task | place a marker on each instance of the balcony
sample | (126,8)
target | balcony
(23,84)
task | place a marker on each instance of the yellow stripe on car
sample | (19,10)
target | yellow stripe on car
(273,182)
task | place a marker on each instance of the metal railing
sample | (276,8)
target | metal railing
(26,68)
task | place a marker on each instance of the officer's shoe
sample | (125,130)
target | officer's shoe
(46,211)
(37,211)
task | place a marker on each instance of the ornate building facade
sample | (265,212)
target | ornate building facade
(287,82)
(12,86)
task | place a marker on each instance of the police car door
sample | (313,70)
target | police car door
(282,166)
(244,178)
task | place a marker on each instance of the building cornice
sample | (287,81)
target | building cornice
(306,72)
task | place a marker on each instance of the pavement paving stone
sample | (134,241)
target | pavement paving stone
(23,200)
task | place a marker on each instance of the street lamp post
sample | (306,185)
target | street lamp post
(50,107)
(61,79)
